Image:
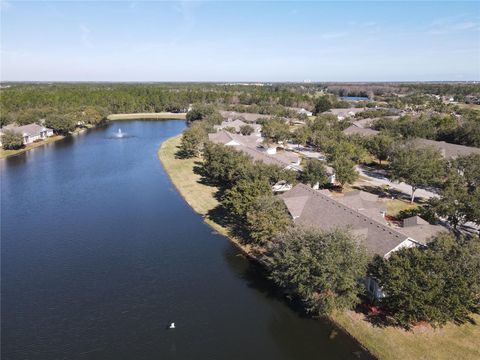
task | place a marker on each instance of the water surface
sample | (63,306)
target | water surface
(99,253)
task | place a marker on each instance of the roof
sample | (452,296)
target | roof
(237,124)
(279,159)
(248,117)
(313,208)
(448,150)
(30,129)
(365,202)
(345,112)
(355,129)
(417,228)
(224,137)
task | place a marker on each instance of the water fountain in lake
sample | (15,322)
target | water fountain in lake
(119,133)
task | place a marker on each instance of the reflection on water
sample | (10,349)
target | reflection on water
(99,253)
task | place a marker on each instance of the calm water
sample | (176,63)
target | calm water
(99,253)
(354,98)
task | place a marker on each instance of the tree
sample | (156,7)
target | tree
(276,130)
(243,194)
(199,112)
(266,218)
(323,268)
(322,104)
(246,130)
(301,135)
(193,139)
(436,283)
(381,146)
(469,167)
(345,172)
(454,200)
(314,172)
(11,140)
(223,165)
(60,124)
(417,166)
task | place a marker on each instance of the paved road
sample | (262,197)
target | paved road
(378,178)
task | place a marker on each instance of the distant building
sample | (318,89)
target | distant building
(449,151)
(246,117)
(30,132)
(252,146)
(237,124)
(362,214)
(342,114)
(357,130)
(301,111)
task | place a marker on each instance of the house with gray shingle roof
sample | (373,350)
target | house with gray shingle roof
(237,124)
(357,130)
(312,208)
(449,151)
(30,132)
(315,209)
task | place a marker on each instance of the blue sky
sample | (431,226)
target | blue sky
(240,41)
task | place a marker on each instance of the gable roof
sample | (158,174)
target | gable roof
(30,129)
(312,208)
(449,151)
(355,129)
(224,137)
(248,117)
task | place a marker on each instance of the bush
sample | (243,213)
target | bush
(12,140)
(322,267)
(437,283)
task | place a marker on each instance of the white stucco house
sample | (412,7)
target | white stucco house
(30,132)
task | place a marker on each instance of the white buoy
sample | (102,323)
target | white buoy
(172,326)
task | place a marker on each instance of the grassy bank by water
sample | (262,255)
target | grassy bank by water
(6,153)
(449,342)
(200,197)
(161,115)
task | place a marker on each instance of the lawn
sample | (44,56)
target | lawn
(395,206)
(199,196)
(6,153)
(449,342)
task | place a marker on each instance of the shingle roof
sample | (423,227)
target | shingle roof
(30,129)
(448,150)
(354,129)
(248,117)
(311,208)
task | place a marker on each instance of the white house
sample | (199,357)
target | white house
(30,132)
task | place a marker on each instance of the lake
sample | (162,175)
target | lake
(354,98)
(99,253)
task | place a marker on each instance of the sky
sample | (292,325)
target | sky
(219,41)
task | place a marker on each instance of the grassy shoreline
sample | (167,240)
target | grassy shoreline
(136,116)
(7,153)
(388,343)
(200,197)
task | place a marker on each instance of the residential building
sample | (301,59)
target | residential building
(237,124)
(342,114)
(357,130)
(449,151)
(30,132)
(362,214)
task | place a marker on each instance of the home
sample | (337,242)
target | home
(357,130)
(30,132)
(342,114)
(237,125)
(253,146)
(301,111)
(449,151)
(245,117)
(362,214)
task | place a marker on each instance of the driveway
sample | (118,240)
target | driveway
(375,177)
